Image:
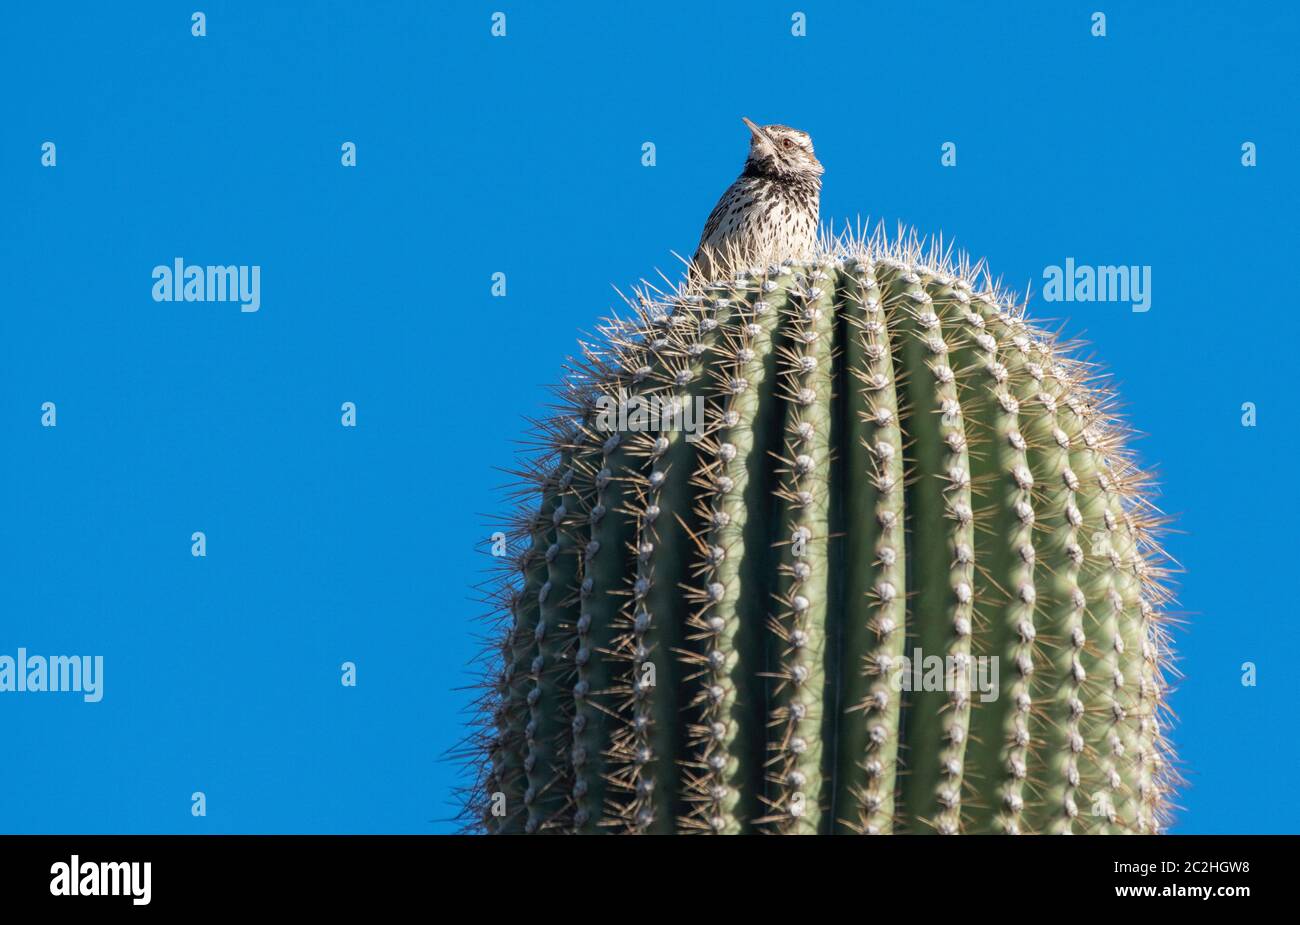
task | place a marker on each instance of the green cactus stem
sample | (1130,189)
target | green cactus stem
(869,555)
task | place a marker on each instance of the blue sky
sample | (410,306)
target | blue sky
(523,155)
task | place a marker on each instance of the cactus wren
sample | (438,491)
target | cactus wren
(770,213)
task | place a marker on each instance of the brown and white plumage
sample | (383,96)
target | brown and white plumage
(770,212)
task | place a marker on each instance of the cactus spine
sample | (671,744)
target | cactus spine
(707,629)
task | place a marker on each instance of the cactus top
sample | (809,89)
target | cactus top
(836,546)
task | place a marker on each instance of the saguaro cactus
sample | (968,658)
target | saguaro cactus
(726,620)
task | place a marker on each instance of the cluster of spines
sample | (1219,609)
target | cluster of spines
(1105,609)
(638,748)
(1079,447)
(521,766)
(1120,674)
(998,503)
(715,773)
(799,609)
(943,558)
(875,565)
(593,717)
(660,675)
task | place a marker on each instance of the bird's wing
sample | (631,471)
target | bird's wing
(715,218)
(703,258)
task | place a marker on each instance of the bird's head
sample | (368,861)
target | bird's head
(781,152)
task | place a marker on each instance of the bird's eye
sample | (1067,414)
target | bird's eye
(787,143)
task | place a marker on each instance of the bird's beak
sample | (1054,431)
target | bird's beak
(760,136)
